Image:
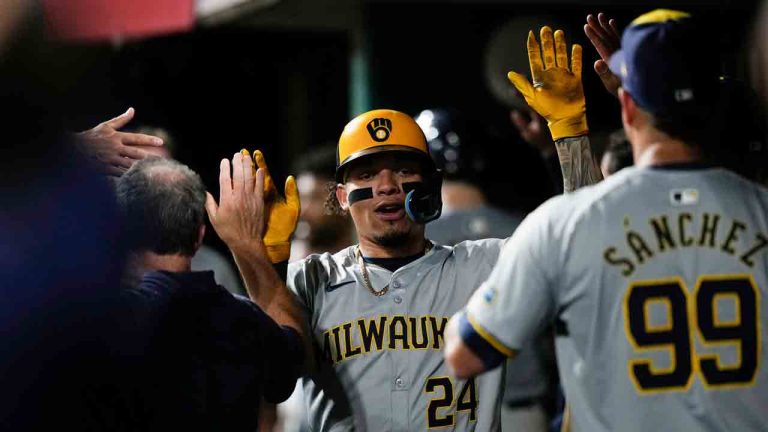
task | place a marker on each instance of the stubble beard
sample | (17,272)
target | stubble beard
(394,238)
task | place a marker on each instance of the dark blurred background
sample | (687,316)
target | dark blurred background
(287,75)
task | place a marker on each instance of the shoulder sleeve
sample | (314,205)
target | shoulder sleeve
(307,278)
(299,281)
(476,252)
(516,302)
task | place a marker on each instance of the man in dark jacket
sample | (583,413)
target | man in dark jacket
(207,357)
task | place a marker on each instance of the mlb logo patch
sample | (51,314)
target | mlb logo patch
(489,294)
(681,197)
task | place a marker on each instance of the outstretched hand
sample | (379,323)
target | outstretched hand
(239,217)
(556,93)
(605,37)
(114,151)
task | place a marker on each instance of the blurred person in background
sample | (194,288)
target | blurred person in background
(61,252)
(206,257)
(209,357)
(617,155)
(458,148)
(532,129)
(318,230)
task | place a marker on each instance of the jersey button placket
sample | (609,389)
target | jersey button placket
(397,291)
(401,386)
(400,404)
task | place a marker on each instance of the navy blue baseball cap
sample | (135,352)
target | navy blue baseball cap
(666,63)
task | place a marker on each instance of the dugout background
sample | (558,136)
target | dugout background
(289,77)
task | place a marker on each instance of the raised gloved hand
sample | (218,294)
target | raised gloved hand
(282,213)
(557,93)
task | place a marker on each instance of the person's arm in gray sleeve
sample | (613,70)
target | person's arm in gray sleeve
(511,307)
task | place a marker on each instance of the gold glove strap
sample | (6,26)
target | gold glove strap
(568,127)
(278,252)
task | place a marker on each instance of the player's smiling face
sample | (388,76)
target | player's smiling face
(381,218)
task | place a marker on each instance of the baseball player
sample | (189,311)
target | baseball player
(378,310)
(654,278)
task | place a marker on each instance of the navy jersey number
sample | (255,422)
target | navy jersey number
(439,408)
(686,313)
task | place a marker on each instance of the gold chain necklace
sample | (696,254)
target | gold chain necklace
(364,271)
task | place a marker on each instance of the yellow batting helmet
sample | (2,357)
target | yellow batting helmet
(377,131)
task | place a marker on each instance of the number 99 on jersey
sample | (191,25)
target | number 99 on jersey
(693,317)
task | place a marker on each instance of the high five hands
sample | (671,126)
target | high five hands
(556,92)
(250,212)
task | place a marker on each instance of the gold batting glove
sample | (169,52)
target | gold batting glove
(557,93)
(282,213)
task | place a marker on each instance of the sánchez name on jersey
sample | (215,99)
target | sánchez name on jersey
(666,233)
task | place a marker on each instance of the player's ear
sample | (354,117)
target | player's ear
(342,197)
(628,109)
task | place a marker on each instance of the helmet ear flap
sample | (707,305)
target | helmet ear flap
(423,202)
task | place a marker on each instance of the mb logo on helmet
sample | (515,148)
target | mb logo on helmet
(379,129)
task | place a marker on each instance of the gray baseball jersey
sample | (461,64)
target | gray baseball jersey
(654,279)
(382,361)
(527,374)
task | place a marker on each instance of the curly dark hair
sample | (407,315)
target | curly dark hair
(332,206)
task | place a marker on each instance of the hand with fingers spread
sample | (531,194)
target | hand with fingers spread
(605,37)
(282,213)
(238,218)
(556,93)
(114,151)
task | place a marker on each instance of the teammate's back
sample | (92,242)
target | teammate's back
(661,316)
(653,278)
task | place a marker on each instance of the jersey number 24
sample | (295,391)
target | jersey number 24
(439,409)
